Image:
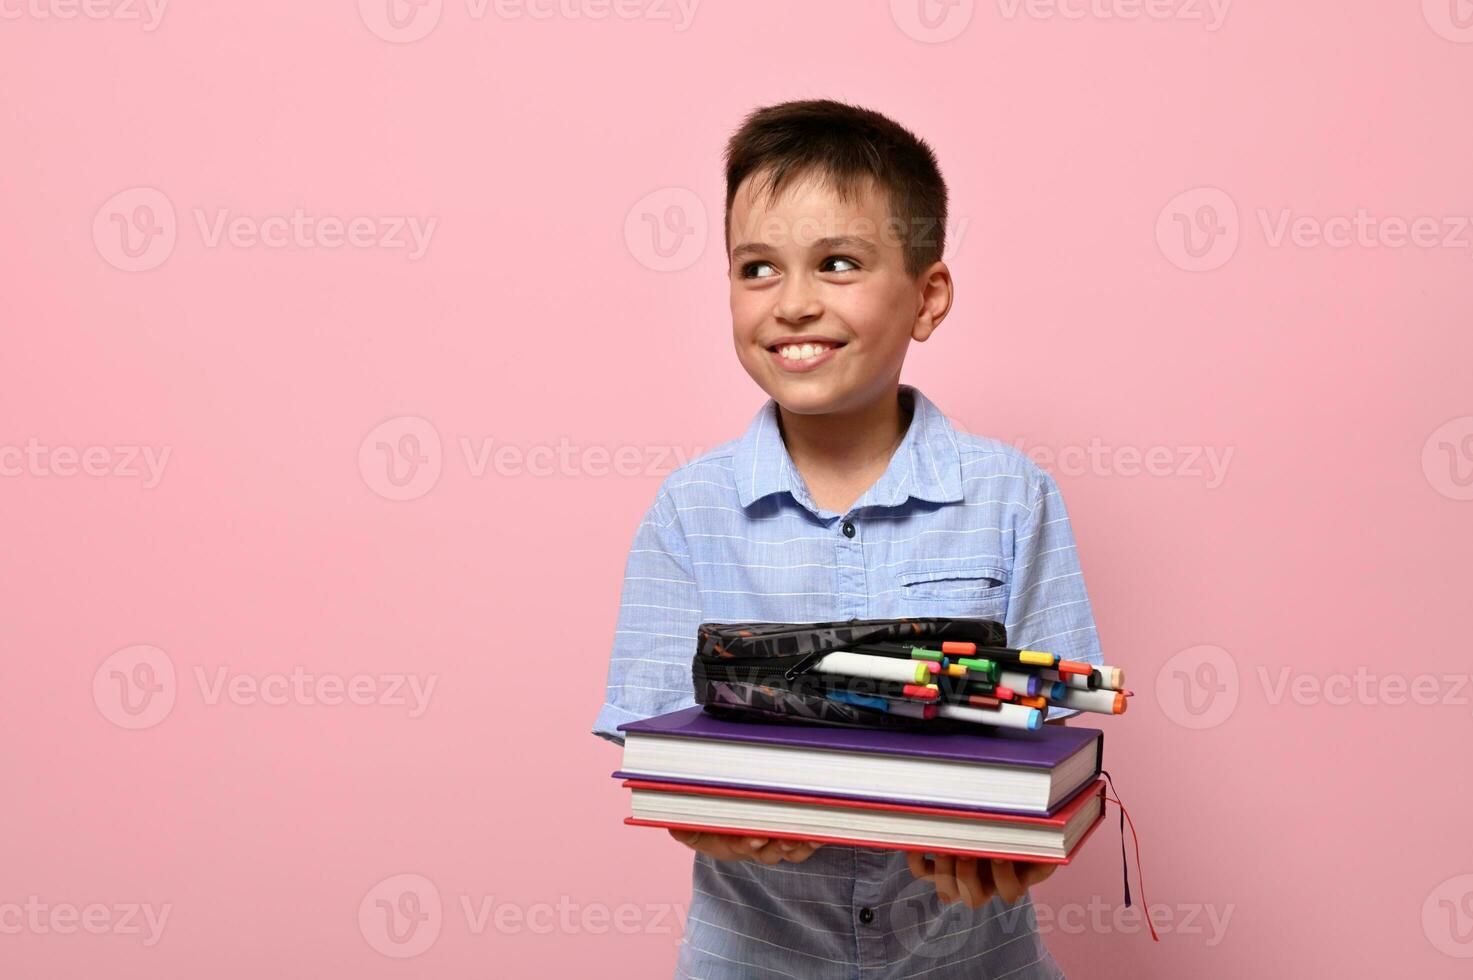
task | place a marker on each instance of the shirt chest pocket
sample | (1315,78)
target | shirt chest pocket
(976,582)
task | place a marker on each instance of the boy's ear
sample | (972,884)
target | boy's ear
(935,300)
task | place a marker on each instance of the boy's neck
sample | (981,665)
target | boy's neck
(840,455)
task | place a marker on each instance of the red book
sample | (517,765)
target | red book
(880,824)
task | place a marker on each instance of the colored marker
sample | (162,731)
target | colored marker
(1075,667)
(965,649)
(913,709)
(1003,716)
(980,701)
(1111,677)
(874,668)
(1019,681)
(1032,702)
(1103,701)
(920,653)
(925,692)
(862,700)
(978,664)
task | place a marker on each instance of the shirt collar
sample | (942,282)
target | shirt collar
(926,465)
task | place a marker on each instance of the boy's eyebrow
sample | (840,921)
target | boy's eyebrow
(841,242)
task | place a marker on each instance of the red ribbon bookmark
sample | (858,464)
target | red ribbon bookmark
(1124,865)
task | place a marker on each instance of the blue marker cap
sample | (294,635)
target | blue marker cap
(862,700)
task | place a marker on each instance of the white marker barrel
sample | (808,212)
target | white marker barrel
(1019,681)
(874,668)
(1111,677)
(1004,715)
(1102,701)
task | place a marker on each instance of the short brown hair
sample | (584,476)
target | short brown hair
(844,144)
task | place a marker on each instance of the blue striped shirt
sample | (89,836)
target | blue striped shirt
(958,525)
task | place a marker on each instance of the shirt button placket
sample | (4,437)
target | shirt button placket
(849,565)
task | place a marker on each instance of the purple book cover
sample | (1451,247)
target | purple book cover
(1044,749)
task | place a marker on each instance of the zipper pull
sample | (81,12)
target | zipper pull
(804,665)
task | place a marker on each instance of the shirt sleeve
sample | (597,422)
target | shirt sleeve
(1048,608)
(655,637)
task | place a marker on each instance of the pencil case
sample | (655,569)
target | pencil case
(763,671)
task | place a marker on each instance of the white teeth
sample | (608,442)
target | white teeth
(802,352)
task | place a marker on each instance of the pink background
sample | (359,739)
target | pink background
(1331,838)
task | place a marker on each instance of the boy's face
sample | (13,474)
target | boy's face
(811,267)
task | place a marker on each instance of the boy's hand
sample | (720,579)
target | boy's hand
(735,847)
(975,880)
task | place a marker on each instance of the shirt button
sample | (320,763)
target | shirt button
(848,529)
(866,915)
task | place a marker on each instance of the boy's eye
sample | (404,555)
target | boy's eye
(842,262)
(751,270)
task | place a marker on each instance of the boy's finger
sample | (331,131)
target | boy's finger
(946,878)
(1005,876)
(1035,872)
(771,853)
(975,891)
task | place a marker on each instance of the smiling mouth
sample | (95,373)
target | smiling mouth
(803,352)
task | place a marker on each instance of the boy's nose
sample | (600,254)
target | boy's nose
(798,302)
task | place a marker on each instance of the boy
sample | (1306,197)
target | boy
(850,496)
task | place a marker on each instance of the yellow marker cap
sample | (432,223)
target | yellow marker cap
(1035,657)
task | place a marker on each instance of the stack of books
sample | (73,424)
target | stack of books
(1026,795)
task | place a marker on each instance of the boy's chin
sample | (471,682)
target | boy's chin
(807,396)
